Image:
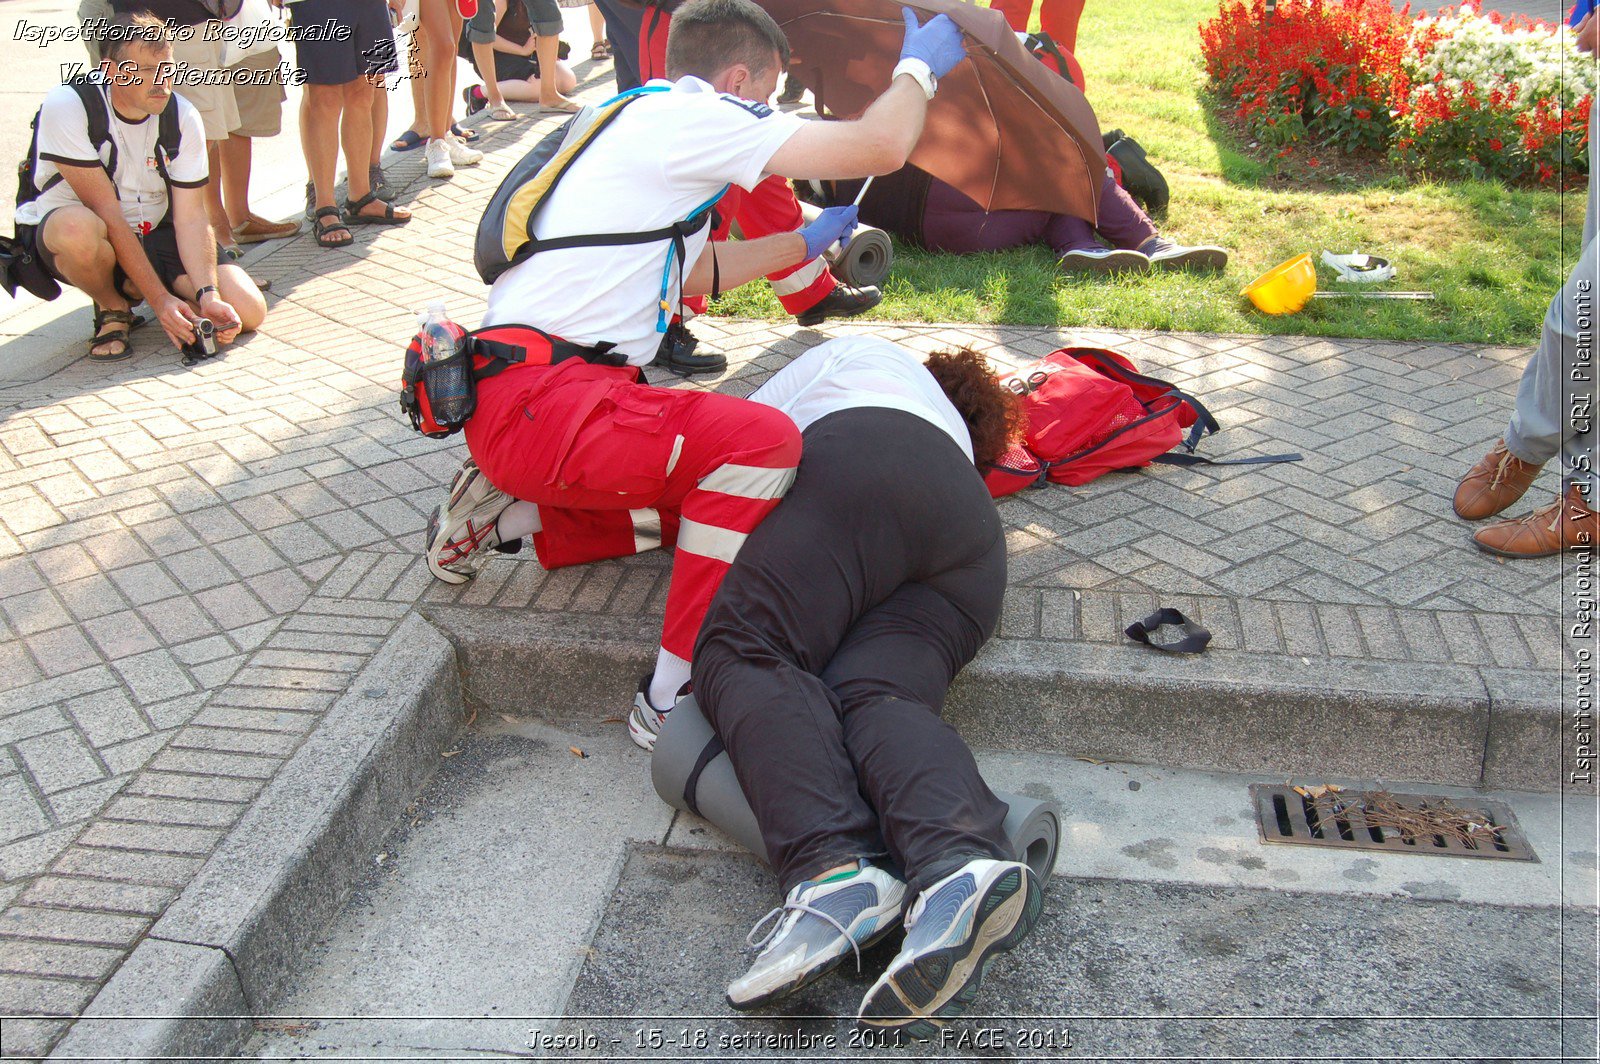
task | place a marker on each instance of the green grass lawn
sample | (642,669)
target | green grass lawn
(1493,256)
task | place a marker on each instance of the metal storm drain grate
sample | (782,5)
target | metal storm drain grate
(1378,820)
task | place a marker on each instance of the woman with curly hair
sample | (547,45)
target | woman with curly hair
(823,666)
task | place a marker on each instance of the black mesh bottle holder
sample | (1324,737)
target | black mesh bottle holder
(451,390)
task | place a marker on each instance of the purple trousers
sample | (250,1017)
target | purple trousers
(952,222)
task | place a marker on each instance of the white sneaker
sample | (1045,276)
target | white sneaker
(953,931)
(645,720)
(437,154)
(819,925)
(460,153)
(462,532)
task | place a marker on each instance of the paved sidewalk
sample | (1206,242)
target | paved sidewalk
(194,563)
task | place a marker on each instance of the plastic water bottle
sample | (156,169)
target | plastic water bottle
(446,369)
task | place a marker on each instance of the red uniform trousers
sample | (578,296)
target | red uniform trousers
(771,207)
(1058,18)
(618,467)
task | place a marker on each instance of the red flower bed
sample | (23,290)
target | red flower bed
(1317,70)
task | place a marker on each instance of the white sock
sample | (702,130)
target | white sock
(518,520)
(672,672)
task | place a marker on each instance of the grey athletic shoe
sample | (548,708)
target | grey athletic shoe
(1166,255)
(1103,260)
(645,721)
(461,531)
(954,930)
(818,926)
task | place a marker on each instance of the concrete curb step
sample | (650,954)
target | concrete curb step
(1228,711)
(224,950)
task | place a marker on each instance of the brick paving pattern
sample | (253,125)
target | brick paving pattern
(195,562)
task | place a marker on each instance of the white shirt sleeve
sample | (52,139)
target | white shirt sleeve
(730,141)
(188,169)
(64,129)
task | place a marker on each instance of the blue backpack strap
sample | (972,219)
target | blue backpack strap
(696,221)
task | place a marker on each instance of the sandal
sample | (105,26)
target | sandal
(466,136)
(599,51)
(118,337)
(353,215)
(323,230)
(410,140)
(503,113)
(565,107)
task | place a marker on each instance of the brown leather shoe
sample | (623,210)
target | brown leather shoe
(1497,481)
(1564,524)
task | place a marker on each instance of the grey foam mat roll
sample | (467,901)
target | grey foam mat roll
(866,259)
(1033,826)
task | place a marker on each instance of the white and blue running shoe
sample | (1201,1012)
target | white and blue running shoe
(818,926)
(955,928)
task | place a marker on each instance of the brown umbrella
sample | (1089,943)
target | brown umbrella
(1003,129)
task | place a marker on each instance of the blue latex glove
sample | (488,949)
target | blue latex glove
(937,42)
(835,223)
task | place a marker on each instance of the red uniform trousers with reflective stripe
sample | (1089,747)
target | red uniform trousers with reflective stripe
(771,207)
(617,467)
(1058,18)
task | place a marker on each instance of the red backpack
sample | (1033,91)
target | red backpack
(1090,411)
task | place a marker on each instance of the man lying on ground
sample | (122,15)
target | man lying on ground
(823,666)
(121,211)
(569,446)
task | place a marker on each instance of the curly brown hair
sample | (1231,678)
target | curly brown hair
(993,412)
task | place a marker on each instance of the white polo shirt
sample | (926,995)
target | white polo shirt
(662,157)
(862,371)
(64,142)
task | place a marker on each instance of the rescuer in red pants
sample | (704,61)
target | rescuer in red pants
(809,291)
(1058,18)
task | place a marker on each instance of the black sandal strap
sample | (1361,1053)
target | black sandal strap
(104,317)
(352,206)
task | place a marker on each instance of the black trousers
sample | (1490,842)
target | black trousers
(824,661)
(622,30)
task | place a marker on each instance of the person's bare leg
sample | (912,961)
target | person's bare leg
(235,152)
(418,66)
(483,57)
(439,57)
(319,137)
(77,241)
(597,24)
(549,93)
(356,136)
(380,119)
(529,91)
(218,213)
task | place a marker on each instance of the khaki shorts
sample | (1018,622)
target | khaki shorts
(260,106)
(214,102)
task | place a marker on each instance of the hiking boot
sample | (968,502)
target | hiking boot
(845,301)
(1166,255)
(953,931)
(645,720)
(820,924)
(677,353)
(437,155)
(1563,525)
(1499,479)
(1104,260)
(462,531)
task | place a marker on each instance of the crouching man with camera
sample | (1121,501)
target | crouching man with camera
(118,205)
